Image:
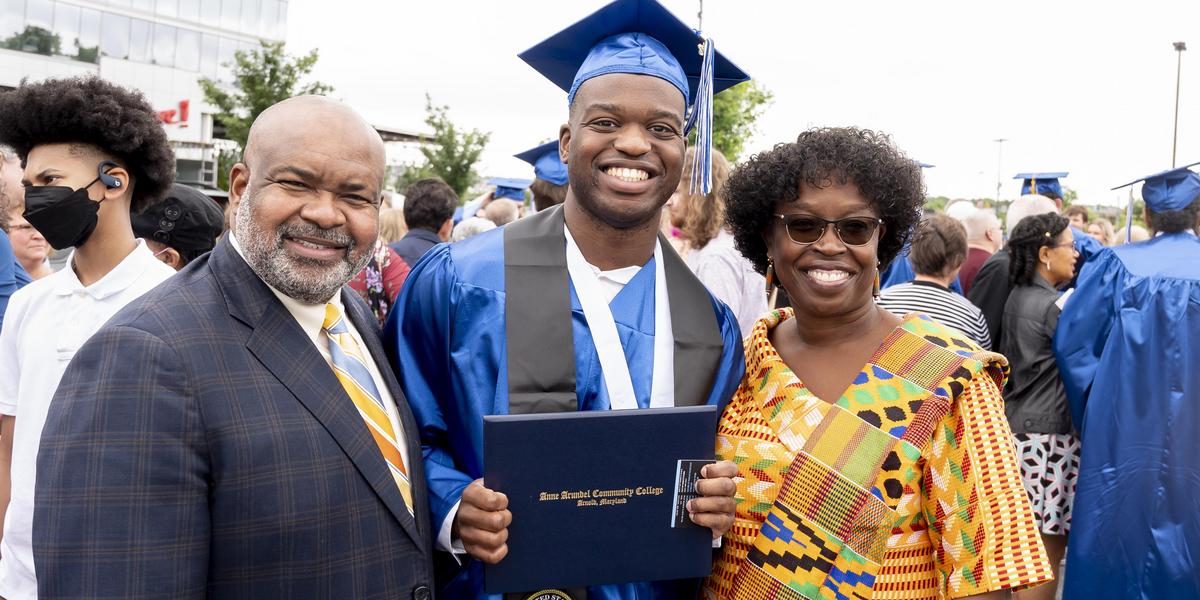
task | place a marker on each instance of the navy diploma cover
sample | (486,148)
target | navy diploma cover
(592,496)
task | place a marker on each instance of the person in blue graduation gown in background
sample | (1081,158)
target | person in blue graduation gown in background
(482,324)
(1128,350)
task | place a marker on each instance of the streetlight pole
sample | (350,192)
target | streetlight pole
(999,164)
(1179,48)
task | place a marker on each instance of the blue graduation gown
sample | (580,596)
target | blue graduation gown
(12,275)
(1128,350)
(447,337)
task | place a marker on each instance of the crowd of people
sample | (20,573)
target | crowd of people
(285,399)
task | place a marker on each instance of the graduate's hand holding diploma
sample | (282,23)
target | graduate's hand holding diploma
(715,509)
(482,522)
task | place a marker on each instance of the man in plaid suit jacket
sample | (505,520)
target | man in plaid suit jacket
(201,445)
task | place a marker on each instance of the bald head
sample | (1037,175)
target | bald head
(307,196)
(312,122)
(501,212)
(1027,206)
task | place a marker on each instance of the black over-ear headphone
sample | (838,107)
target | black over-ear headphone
(108,180)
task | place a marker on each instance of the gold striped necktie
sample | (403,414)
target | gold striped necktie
(350,367)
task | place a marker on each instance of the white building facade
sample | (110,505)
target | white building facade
(160,47)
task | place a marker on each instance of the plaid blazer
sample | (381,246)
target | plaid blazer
(199,446)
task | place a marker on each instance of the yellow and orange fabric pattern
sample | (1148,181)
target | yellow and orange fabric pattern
(905,487)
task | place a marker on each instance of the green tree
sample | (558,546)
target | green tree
(451,153)
(261,77)
(35,39)
(226,158)
(399,177)
(1069,196)
(735,112)
(936,203)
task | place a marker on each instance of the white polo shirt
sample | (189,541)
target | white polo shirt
(45,324)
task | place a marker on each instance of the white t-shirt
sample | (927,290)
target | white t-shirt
(731,278)
(45,324)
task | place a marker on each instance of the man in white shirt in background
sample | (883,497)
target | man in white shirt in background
(82,176)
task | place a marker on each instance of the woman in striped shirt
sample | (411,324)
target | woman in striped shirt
(937,253)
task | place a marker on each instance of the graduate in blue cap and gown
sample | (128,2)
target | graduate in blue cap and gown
(549,186)
(580,307)
(1128,350)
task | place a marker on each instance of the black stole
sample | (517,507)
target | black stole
(539,342)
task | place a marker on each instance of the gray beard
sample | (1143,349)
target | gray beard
(294,275)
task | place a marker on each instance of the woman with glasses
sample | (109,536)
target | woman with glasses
(1043,254)
(875,459)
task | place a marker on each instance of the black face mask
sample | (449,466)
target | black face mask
(65,217)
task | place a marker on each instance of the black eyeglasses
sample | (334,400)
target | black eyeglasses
(853,231)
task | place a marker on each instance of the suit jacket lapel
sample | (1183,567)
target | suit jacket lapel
(698,341)
(287,352)
(366,324)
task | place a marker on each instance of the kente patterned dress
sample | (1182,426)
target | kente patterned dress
(905,488)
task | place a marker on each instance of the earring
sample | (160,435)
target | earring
(770,275)
(877,291)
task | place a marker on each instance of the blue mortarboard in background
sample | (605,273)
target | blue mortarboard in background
(1040,183)
(546,163)
(513,189)
(924,165)
(1174,189)
(644,38)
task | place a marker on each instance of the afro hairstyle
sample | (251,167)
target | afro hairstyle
(92,112)
(821,157)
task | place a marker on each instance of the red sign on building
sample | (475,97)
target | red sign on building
(175,116)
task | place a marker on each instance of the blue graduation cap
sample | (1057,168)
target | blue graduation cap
(1173,189)
(644,38)
(546,163)
(1040,183)
(925,165)
(513,189)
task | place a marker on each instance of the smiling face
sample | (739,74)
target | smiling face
(826,278)
(309,198)
(625,147)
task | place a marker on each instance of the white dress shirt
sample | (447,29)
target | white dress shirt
(46,323)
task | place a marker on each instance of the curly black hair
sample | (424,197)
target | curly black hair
(1174,221)
(1028,237)
(92,112)
(821,157)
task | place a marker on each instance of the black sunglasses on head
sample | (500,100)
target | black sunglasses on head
(807,229)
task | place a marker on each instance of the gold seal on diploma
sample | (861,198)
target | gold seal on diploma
(549,595)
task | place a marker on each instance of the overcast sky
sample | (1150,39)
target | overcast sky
(1073,86)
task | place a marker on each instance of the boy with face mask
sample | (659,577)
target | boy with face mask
(91,151)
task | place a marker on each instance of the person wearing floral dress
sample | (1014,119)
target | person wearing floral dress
(380,281)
